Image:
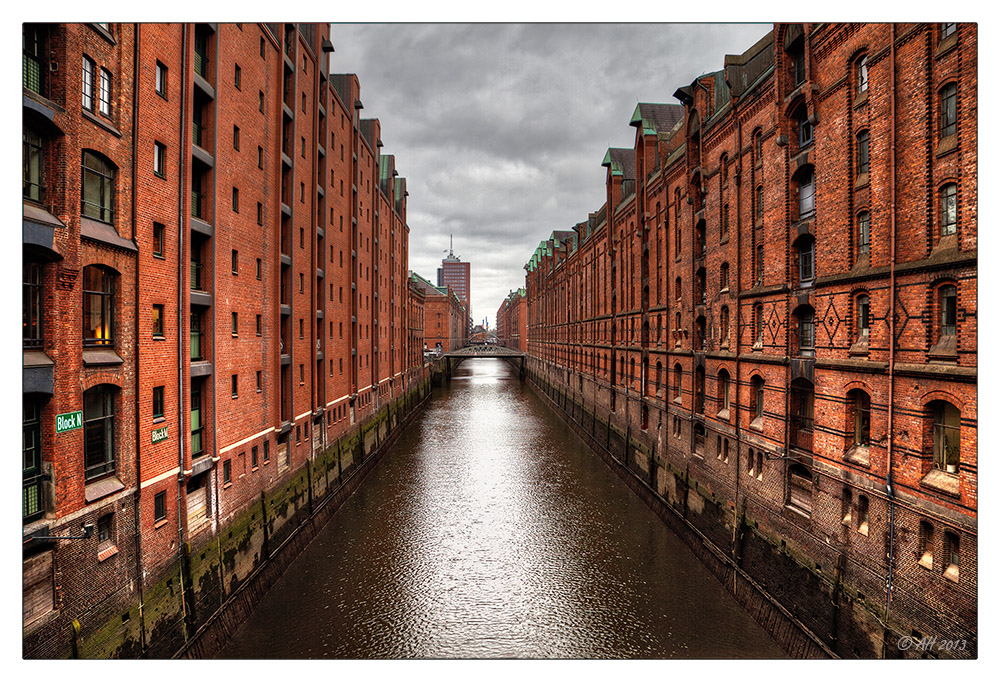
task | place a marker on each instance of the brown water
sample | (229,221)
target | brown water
(490,531)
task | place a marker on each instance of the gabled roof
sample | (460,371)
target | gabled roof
(744,70)
(656,118)
(621,162)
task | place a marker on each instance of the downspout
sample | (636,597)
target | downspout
(892,316)
(737,176)
(180,327)
(138,459)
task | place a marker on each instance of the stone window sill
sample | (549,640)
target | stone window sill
(723,414)
(926,561)
(862,181)
(947,145)
(860,347)
(757,424)
(862,98)
(941,481)
(858,454)
(107,553)
(946,46)
(951,573)
(160,523)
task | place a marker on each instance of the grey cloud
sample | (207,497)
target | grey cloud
(500,128)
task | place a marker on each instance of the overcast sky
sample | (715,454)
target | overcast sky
(500,129)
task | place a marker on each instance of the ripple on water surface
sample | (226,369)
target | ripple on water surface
(489,531)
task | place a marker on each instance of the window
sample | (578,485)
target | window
(807,195)
(723,386)
(160,506)
(724,235)
(946,436)
(861,408)
(862,305)
(258,325)
(759,205)
(234,382)
(227,472)
(760,264)
(800,488)
(947,299)
(678,375)
(34,60)
(32,506)
(105,93)
(158,320)
(236,200)
(864,233)
(949,209)
(949,113)
(303,102)
(267,451)
(863,74)
(260,94)
(260,157)
(259,268)
(757,399)
(925,546)
(948,30)
(253,457)
(807,333)
(260,213)
(236,262)
(807,260)
(805,127)
(724,326)
(98,306)
(161,80)
(99,431)
(195,337)
(159,234)
(236,77)
(802,395)
(105,531)
(88,83)
(32,305)
(235,323)
(863,515)
(758,148)
(798,64)
(952,556)
(259,383)
(159,159)
(98,188)
(758,320)
(33,165)
(845,507)
(157,402)
(236,138)
(197,427)
(863,153)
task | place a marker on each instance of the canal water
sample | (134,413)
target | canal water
(490,531)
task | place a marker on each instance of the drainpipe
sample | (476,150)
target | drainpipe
(180,328)
(892,315)
(138,460)
(738,175)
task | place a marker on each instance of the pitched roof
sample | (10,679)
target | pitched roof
(621,162)
(656,118)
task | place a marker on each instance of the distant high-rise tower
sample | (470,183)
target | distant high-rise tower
(454,273)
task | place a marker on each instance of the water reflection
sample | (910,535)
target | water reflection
(489,531)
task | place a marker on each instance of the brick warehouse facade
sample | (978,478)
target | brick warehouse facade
(238,241)
(772,321)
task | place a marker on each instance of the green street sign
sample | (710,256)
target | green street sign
(69,421)
(159,434)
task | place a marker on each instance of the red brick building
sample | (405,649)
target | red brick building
(512,321)
(775,311)
(238,242)
(445,318)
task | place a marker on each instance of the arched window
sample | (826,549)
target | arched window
(862,74)
(807,331)
(807,194)
(677,288)
(724,326)
(98,306)
(723,389)
(800,488)
(949,209)
(947,302)
(925,548)
(757,400)
(678,376)
(724,231)
(700,234)
(802,405)
(758,207)
(864,234)
(949,109)
(700,282)
(699,333)
(946,431)
(759,265)
(659,378)
(724,169)
(806,247)
(758,325)
(757,153)
(32,318)
(860,416)
(99,431)
(801,116)
(952,556)
(861,304)
(724,277)
(862,147)
(699,385)
(98,196)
